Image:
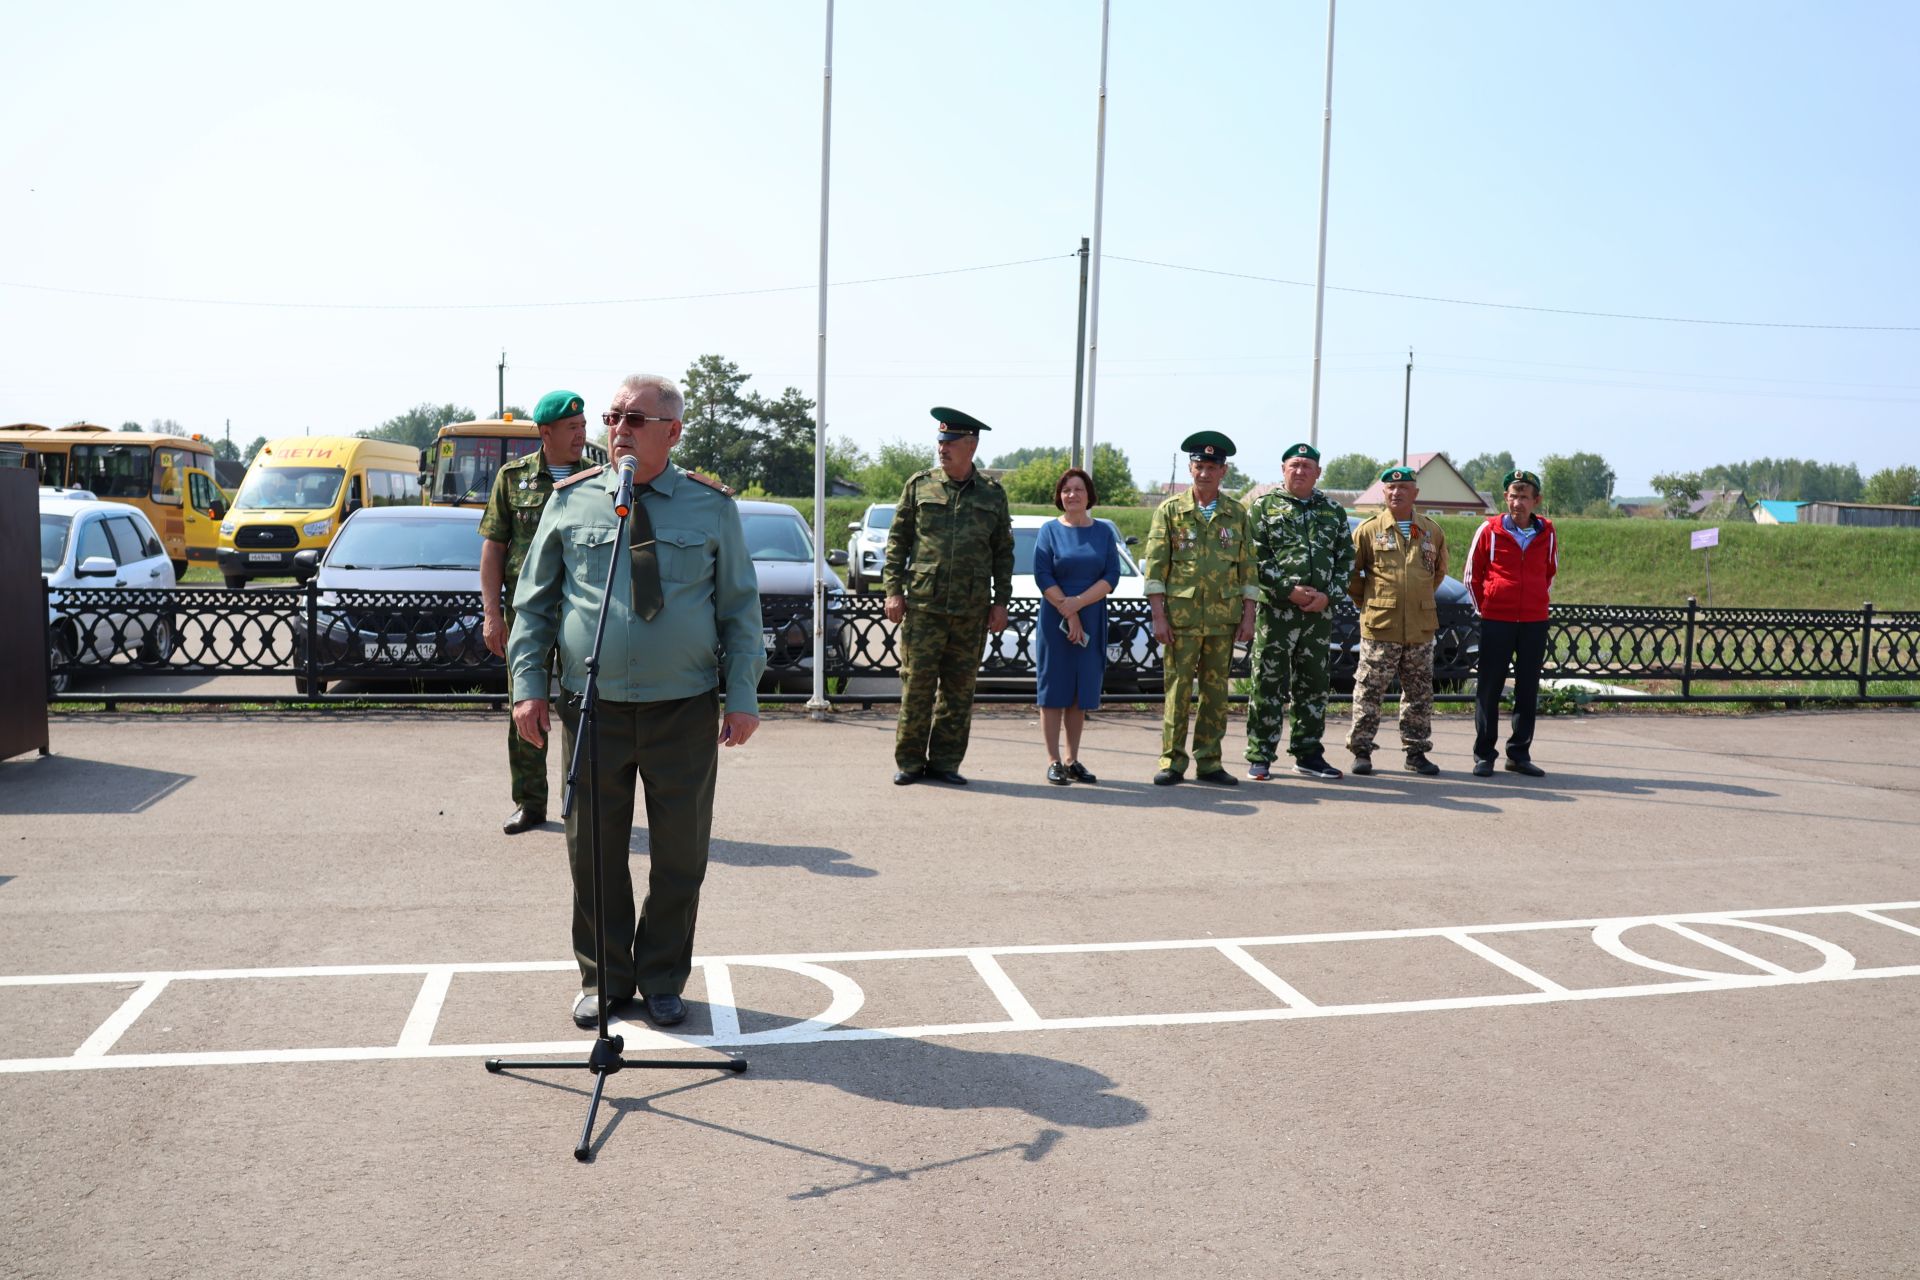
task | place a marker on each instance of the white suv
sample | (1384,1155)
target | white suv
(87,543)
(867,548)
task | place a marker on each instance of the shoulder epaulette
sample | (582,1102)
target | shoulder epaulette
(576,478)
(711,483)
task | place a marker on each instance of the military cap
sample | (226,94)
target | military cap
(1525,477)
(955,425)
(1398,475)
(1301,450)
(1208,446)
(556,405)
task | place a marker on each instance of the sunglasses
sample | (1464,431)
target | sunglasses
(615,419)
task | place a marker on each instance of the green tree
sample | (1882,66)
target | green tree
(1575,482)
(225,450)
(160,427)
(1033,480)
(131,426)
(718,435)
(1485,470)
(1678,490)
(845,460)
(1113,478)
(418,425)
(1788,479)
(893,462)
(783,452)
(259,443)
(1351,471)
(1898,485)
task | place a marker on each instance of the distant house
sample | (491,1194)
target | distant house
(1774,511)
(228,474)
(838,488)
(1860,514)
(1721,504)
(1442,489)
(1344,497)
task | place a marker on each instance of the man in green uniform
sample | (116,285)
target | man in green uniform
(683,629)
(520,493)
(948,578)
(1399,561)
(1305,557)
(1200,586)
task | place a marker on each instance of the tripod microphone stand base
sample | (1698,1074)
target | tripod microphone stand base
(604,1061)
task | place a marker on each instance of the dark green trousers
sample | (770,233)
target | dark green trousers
(526,763)
(939,661)
(669,749)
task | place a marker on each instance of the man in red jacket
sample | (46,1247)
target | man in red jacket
(1510,567)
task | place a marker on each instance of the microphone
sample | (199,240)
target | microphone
(623,501)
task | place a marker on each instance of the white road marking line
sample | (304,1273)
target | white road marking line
(1726,949)
(720,1006)
(1506,962)
(1266,977)
(1866,914)
(1022,1013)
(109,1032)
(426,1008)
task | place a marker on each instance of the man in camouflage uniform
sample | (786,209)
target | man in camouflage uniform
(1399,561)
(519,496)
(1199,571)
(948,578)
(1304,557)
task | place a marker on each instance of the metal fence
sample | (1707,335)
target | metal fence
(427,647)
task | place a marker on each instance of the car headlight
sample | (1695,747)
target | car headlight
(226,528)
(318,529)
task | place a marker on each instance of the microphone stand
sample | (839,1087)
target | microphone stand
(605,1059)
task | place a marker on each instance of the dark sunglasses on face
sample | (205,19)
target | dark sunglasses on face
(615,418)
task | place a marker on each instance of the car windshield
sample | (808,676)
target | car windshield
(289,489)
(53,541)
(466,465)
(1023,540)
(406,544)
(777,537)
(880,518)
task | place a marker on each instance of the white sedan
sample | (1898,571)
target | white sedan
(88,543)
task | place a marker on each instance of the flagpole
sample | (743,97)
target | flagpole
(1320,271)
(817,706)
(1099,192)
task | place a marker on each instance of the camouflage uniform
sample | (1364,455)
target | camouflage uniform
(519,495)
(1204,567)
(1296,542)
(950,553)
(1393,584)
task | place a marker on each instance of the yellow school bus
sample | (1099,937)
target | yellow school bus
(465,456)
(297,493)
(169,477)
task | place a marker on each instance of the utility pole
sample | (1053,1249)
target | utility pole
(1320,271)
(1079,360)
(1406,407)
(1099,196)
(501,412)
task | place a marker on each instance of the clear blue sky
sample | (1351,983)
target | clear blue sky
(1716,160)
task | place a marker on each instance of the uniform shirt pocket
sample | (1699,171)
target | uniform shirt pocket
(685,555)
(587,555)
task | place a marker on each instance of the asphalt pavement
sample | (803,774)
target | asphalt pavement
(1651,1015)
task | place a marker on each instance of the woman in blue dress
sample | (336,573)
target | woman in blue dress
(1076,563)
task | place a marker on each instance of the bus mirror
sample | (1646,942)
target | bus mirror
(217,510)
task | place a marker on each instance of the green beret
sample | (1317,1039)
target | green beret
(556,405)
(1398,474)
(1525,477)
(955,425)
(1208,446)
(1301,450)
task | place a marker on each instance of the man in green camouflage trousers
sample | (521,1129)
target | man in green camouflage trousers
(514,507)
(1304,557)
(1199,571)
(948,578)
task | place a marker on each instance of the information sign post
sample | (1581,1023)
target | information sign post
(1706,540)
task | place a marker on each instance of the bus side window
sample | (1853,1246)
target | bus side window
(354,500)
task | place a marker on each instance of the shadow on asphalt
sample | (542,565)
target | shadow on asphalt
(67,784)
(744,853)
(912,1073)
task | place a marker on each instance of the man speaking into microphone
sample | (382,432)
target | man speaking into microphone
(683,633)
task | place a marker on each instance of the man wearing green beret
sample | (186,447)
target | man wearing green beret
(1304,558)
(519,495)
(948,579)
(1199,570)
(1399,561)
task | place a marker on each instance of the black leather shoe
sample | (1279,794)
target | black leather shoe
(523,819)
(1217,777)
(949,776)
(1167,778)
(1078,772)
(1527,767)
(1417,762)
(666,1010)
(906,777)
(1483,768)
(586,1011)
(1057,775)
(1362,766)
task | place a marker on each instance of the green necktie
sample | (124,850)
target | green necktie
(645,557)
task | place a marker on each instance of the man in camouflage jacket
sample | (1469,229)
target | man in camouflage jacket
(1304,556)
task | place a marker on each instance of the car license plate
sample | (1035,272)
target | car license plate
(401,652)
(766,633)
(268,557)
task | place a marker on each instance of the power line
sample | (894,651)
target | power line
(1519,306)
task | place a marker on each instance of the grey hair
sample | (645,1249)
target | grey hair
(665,391)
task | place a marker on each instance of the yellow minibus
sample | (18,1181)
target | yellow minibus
(298,491)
